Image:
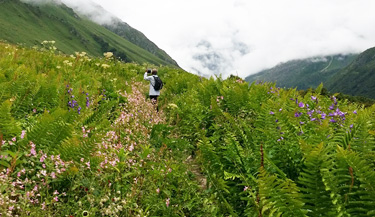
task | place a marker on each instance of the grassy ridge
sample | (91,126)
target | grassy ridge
(30,25)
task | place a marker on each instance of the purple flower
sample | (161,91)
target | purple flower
(332,107)
(332,120)
(297,114)
(351,126)
(272,113)
(323,115)
(301,105)
(301,122)
(313,98)
(355,112)
(277,120)
(313,119)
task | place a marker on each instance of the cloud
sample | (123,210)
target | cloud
(248,36)
(87,8)
(242,37)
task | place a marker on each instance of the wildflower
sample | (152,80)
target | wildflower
(56,192)
(245,188)
(271,113)
(332,120)
(53,175)
(108,54)
(56,199)
(323,116)
(158,190)
(301,122)
(167,202)
(355,112)
(297,114)
(23,134)
(88,165)
(301,105)
(104,66)
(14,139)
(331,107)
(313,98)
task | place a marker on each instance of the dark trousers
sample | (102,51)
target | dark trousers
(154,100)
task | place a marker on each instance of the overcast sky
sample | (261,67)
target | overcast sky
(242,37)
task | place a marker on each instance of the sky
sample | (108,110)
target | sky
(243,37)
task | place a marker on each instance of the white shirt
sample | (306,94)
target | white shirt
(152,91)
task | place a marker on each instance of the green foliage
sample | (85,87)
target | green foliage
(85,133)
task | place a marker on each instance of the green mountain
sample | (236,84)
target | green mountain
(358,78)
(31,24)
(304,73)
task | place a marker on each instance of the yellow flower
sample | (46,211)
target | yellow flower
(105,66)
(108,54)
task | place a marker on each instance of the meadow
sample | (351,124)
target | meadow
(80,138)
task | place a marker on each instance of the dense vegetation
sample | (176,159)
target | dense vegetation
(79,138)
(358,78)
(30,24)
(305,73)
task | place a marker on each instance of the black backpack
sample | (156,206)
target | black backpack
(158,83)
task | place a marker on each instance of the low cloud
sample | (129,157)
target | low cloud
(242,37)
(88,8)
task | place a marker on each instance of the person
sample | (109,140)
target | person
(154,94)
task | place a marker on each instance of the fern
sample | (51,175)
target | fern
(9,127)
(279,197)
(364,195)
(316,197)
(52,129)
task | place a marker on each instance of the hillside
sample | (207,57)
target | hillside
(79,137)
(305,73)
(27,24)
(358,78)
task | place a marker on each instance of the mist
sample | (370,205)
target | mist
(241,37)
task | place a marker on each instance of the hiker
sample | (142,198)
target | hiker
(155,84)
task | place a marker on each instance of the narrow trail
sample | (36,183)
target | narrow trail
(196,170)
(329,64)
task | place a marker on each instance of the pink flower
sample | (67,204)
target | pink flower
(11,208)
(43,205)
(82,159)
(245,188)
(23,134)
(56,198)
(158,190)
(88,165)
(14,139)
(56,192)
(131,147)
(167,202)
(53,175)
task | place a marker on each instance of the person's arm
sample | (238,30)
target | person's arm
(147,77)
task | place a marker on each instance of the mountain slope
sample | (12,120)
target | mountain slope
(31,24)
(303,73)
(358,78)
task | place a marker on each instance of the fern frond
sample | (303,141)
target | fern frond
(52,129)
(316,197)
(279,197)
